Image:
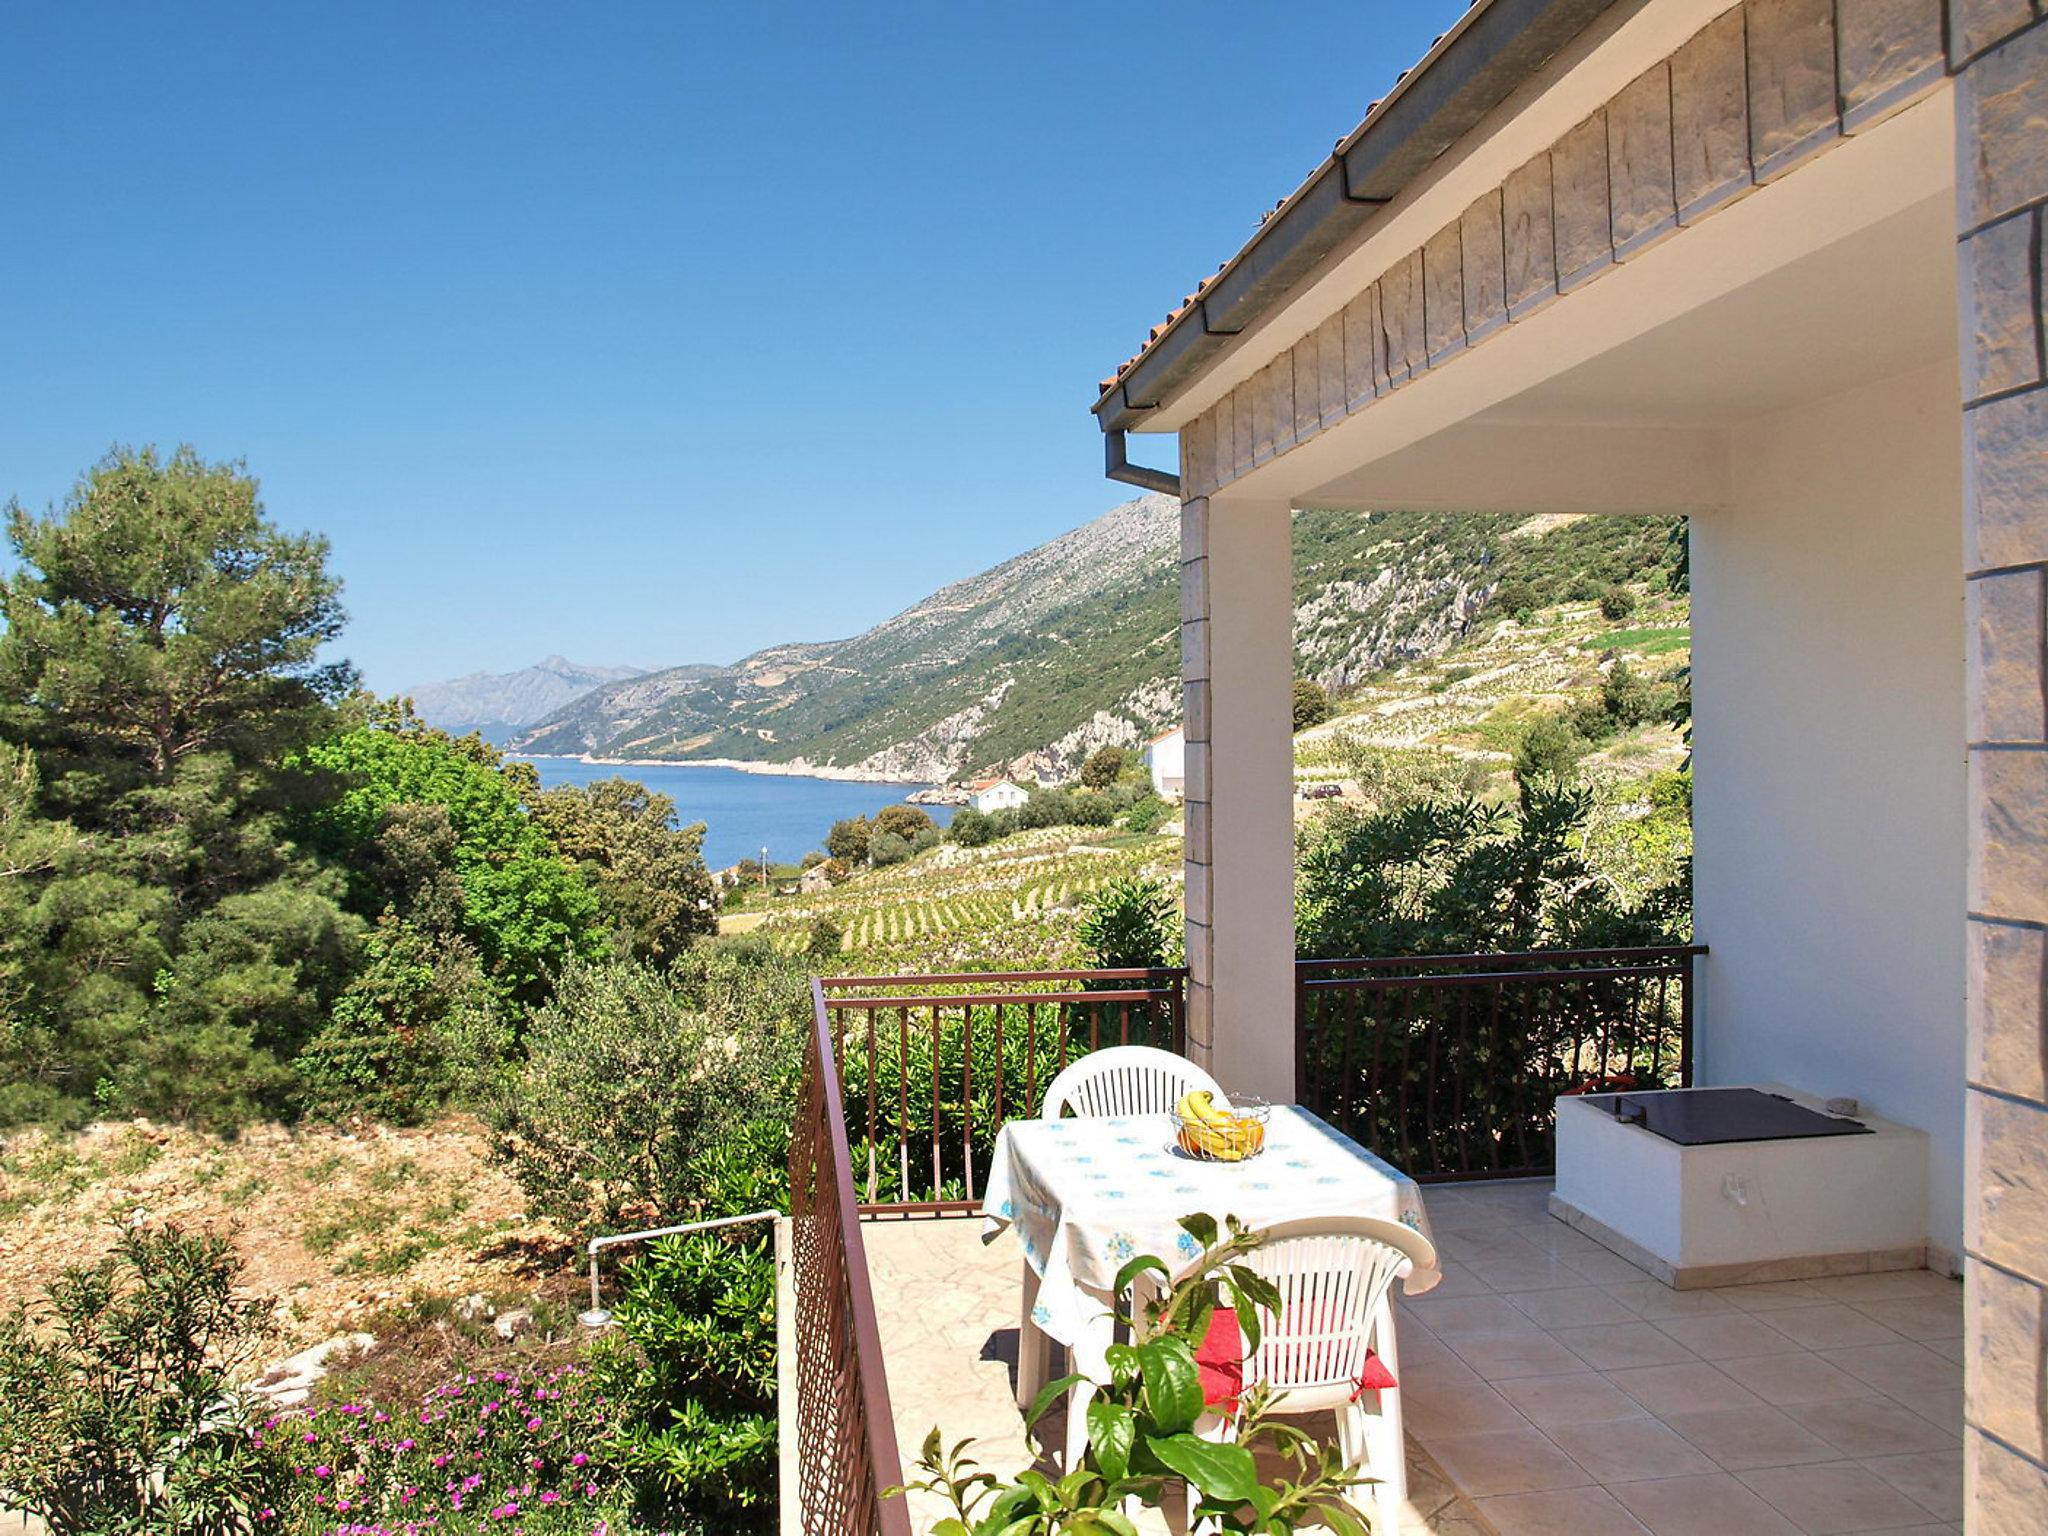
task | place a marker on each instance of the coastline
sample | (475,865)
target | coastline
(797,770)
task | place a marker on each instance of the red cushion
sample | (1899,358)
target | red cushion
(1220,1360)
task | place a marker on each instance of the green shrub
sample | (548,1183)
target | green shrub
(630,1078)
(1311,704)
(886,848)
(1549,749)
(119,1409)
(1104,767)
(971,828)
(1148,813)
(414,1029)
(691,1373)
(1128,923)
(1617,603)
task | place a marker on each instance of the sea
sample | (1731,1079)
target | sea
(743,813)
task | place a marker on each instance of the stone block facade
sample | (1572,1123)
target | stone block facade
(1999,52)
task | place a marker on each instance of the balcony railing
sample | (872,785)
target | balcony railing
(1449,1066)
(1446,1065)
(931,1066)
(846,1454)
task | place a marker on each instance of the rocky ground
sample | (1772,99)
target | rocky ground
(345,1229)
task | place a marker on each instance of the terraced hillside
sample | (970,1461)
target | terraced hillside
(1008,906)
(1075,645)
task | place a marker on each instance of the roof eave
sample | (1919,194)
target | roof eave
(1494,48)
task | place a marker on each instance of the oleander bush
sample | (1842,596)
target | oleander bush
(121,1411)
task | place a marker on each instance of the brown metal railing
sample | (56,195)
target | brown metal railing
(846,1455)
(930,1066)
(1448,1066)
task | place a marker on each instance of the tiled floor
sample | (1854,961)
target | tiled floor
(1565,1391)
(1552,1389)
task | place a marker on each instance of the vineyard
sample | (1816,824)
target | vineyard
(1010,905)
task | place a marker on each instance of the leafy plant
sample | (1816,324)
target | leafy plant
(118,1409)
(630,1080)
(1142,1423)
(1128,924)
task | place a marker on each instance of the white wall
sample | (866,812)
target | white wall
(1829,774)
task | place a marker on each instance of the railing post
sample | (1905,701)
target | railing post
(1685,983)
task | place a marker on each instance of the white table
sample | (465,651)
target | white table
(1086,1195)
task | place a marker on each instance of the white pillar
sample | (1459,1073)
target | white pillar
(1237,664)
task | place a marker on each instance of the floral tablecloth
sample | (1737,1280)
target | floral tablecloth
(1087,1194)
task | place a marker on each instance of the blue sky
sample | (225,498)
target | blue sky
(642,333)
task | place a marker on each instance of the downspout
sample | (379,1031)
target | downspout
(1119,467)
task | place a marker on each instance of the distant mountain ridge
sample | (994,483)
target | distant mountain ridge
(1035,663)
(500,705)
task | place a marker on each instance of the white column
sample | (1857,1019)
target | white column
(1237,662)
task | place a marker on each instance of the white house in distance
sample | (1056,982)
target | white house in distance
(987,795)
(1166,757)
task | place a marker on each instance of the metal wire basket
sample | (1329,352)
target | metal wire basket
(1225,1136)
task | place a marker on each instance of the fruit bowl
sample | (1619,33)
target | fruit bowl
(1209,1127)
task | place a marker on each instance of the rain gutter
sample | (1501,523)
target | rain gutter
(1494,47)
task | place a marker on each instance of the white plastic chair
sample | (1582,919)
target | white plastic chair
(1120,1080)
(1334,1274)
(1124,1080)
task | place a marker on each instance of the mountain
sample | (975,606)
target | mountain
(501,704)
(1074,645)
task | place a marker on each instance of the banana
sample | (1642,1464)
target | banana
(1200,1106)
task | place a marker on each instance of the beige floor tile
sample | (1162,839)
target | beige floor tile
(1554,1237)
(1587,1398)
(1831,1326)
(1578,1306)
(1905,1370)
(1617,1346)
(1473,1243)
(1931,1479)
(1694,1387)
(1834,1499)
(1560,1512)
(1654,1301)
(1740,1439)
(1919,1317)
(1458,1317)
(1504,1356)
(1949,1348)
(1797,1377)
(1944,1409)
(1506,1461)
(1772,1296)
(1435,1413)
(1886,1285)
(1875,1426)
(1458,1280)
(1604,1268)
(1712,1505)
(1630,1450)
(1727,1335)
(1537,1272)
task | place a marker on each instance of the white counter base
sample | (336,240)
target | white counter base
(1741,1212)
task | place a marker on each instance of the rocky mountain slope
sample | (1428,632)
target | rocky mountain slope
(502,704)
(1075,645)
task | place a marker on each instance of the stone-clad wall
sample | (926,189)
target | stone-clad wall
(1999,50)
(1755,93)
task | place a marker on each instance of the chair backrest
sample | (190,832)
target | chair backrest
(1332,1272)
(1124,1080)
